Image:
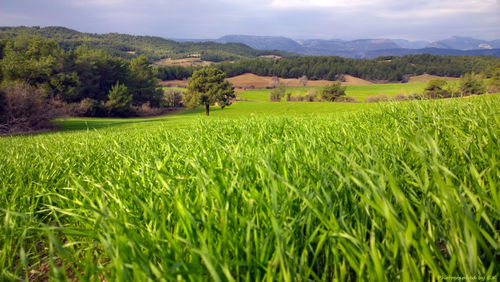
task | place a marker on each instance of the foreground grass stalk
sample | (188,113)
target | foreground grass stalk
(406,192)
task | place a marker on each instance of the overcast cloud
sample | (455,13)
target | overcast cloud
(299,19)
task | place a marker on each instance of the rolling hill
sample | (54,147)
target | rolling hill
(129,46)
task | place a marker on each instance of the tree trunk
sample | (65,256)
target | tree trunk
(207,109)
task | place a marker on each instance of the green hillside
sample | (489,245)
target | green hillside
(129,46)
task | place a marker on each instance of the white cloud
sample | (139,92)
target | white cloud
(417,19)
(300,4)
(95,3)
(436,9)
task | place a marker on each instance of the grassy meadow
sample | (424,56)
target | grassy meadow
(276,191)
(359,92)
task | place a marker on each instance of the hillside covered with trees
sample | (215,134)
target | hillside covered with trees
(38,74)
(331,68)
(131,46)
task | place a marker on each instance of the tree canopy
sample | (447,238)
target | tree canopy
(436,88)
(73,76)
(208,86)
(333,91)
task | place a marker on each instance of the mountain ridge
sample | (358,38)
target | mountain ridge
(366,48)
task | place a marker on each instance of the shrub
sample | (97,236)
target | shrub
(88,108)
(172,98)
(119,101)
(340,77)
(333,91)
(416,96)
(294,98)
(436,88)
(275,82)
(377,98)
(493,75)
(24,108)
(471,84)
(277,93)
(303,80)
(400,97)
(311,95)
(346,99)
(146,110)
(493,88)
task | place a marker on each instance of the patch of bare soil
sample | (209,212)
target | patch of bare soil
(253,81)
(428,77)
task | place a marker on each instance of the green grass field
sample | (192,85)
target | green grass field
(359,92)
(276,191)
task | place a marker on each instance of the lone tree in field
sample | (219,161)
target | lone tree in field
(471,84)
(436,88)
(333,91)
(208,86)
(303,80)
(275,82)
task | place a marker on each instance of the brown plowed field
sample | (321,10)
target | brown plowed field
(253,81)
(428,77)
(250,80)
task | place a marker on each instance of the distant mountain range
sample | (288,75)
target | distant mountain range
(366,48)
(235,47)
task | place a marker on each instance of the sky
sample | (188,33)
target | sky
(298,19)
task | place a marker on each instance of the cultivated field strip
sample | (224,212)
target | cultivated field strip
(409,193)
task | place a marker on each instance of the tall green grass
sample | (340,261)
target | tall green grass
(407,192)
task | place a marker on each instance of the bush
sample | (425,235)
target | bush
(172,98)
(277,93)
(275,82)
(294,98)
(333,91)
(119,101)
(311,95)
(400,97)
(416,96)
(146,110)
(340,77)
(88,108)
(377,98)
(493,88)
(24,108)
(436,88)
(471,84)
(346,99)
(303,80)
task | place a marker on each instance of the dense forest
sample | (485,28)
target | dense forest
(389,68)
(96,83)
(131,46)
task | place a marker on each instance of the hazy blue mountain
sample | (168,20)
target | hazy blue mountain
(368,48)
(419,44)
(432,51)
(264,42)
(465,43)
(359,45)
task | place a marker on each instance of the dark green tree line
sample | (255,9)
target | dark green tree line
(330,68)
